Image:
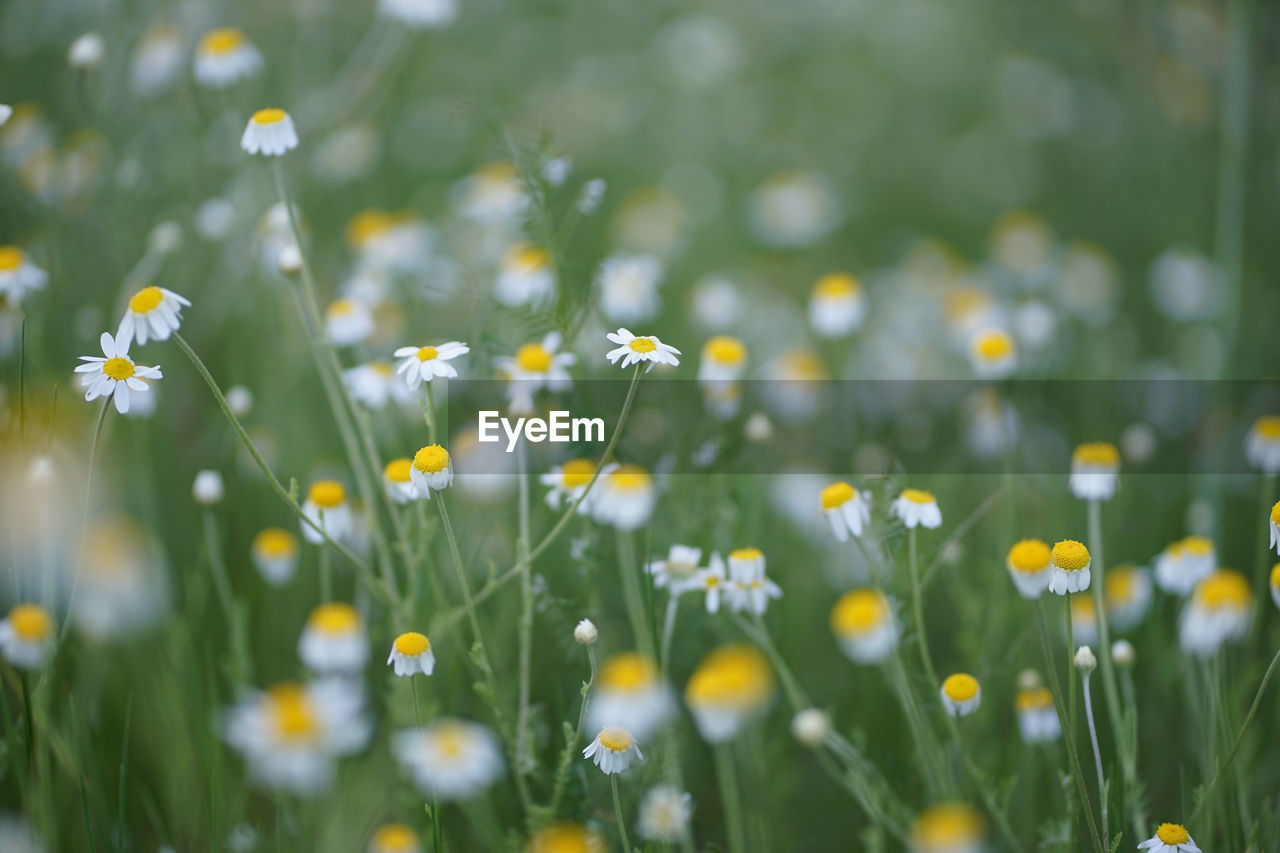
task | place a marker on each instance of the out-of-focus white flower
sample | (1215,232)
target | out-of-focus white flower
(590,196)
(993,354)
(86,52)
(566,482)
(397,479)
(715,303)
(836,306)
(157,61)
(450,759)
(865,626)
(5,112)
(275,554)
(18,275)
(494,194)
(811,726)
(624,497)
(948,828)
(961,694)
(347,322)
(207,488)
(1262,444)
(1185,285)
(749,589)
(1219,610)
(1127,590)
(420,14)
(1022,243)
(1122,653)
(334,640)
(240,399)
(374,384)
(630,693)
(536,365)
(1095,470)
(26,636)
(123,586)
(526,277)
(628,287)
(225,57)
(1085,660)
(326,506)
(394,838)
(664,814)
(793,209)
(1037,718)
(724,360)
(731,686)
(1029,563)
(1183,564)
(677,570)
(270,132)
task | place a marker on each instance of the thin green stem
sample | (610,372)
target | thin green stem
(571,746)
(84,515)
(617,813)
(984,790)
(632,594)
(1265,499)
(1097,758)
(669,629)
(523,759)
(730,799)
(917,606)
(429,410)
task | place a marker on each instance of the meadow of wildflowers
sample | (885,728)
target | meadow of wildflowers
(561,427)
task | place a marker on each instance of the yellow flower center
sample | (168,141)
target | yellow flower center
(838,494)
(1035,699)
(1200,546)
(1122,584)
(327,494)
(643,345)
(734,675)
(960,687)
(993,346)
(533,358)
(747,554)
(222,40)
(1275,575)
(836,285)
(1268,427)
(11,257)
(565,838)
(118,368)
(918,496)
(859,611)
(1224,588)
(529,259)
(394,838)
(1070,555)
(431,459)
(427,353)
(335,617)
(30,622)
(628,671)
(1029,555)
(412,644)
(1100,453)
(801,364)
(1275,513)
(366,225)
(946,825)
(291,712)
(146,299)
(397,470)
(1173,833)
(269,116)
(275,542)
(630,478)
(576,472)
(726,350)
(450,738)
(1082,608)
(615,738)
(342,307)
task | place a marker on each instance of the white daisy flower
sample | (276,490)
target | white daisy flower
(1219,610)
(566,838)
(424,364)
(724,359)
(270,132)
(26,636)
(1170,838)
(275,555)
(1262,444)
(1069,570)
(1274,526)
(836,306)
(1030,563)
(536,366)
(373,384)
(847,510)
(917,508)
(1095,470)
(961,694)
(333,641)
(628,287)
(865,626)
(411,653)
(664,814)
(566,482)
(634,349)
(348,322)
(115,374)
(157,61)
(394,838)
(1084,619)
(208,488)
(493,194)
(450,759)
(1127,592)
(326,505)
(630,693)
(18,275)
(678,570)
(749,589)
(993,354)
(432,470)
(225,57)
(1183,564)
(1037,718)
(526,277)
(420,14)
(730,687)
(624,497)
(948,828)
(154,313)
(613,750)
(713,581)
(397,479)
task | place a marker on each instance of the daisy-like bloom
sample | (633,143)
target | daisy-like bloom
(275,554)
(347,322)
(432,470)
(1084,619)
(961,694)
(115,374)
(270,132)
(423,364)
(86,52)
(1127,592)
(731,686)
(326,505)
(1123,653)
(451,759)
(993,354)
(749,588)
(713,580)
(394,838)
(526,277)
(157,62)
(124,588)
(665,812)
(535,366)
(811,726)
(5,112)
(1029,567)
(624,497)
(374,384)
(26,636)
(917,508)
(566,838)
(847,510)
(948,828)
(1070,567)
(1275,584)
(225,57)
(613,750)
(397,479)
(1262,444)
(411,653)
(724,358)
(678,570)
(1037,718)
(836,305)
(628,286)
(208,489)
(18,276)
(633,349)
(1170,838)
(1274,525)
(1185,563)
(153,313)
(630,693)
(1220,609)
(567,481)
(291,734)
(1095,469)
(865,626)
(333,640)
(420,14)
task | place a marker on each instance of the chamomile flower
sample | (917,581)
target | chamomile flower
(424,364)
(526,277)
(836,305)
(724,359)
(585,633)
(275,554)
(1037,718)
(1029,566)
(225,57)
(613,750)
(917,508)
(420,14)
(1095,469)
(749,589)
(847,510)
(153,313)
(326,505)
(411,653)
(1069,570)
(1274,526)
(26,636)
(1220,609)
(961,694)
(713,580)
(1185,563)
(493,194)
(1262,444)
(291,734)
(208,488)
(630,693)
(270,132)
(394,838)
(333,640)
(625,497)
(18,275)
(114,374)
(566,838)
(948,828)
(157,62)
(451,759)
(1127,592)
(628,286)
(993,354)
(678,570)
(633,349)
(374,384)
(865,626)
(665,812)
(536,365)
(1084,619)
(347,322)
(731,686)
(566,482)
(1170,838)
(398,482)
(432,470)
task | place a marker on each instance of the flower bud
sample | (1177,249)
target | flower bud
(585,633)
(86,52)
(1122,653)
(811,726)
(207,488)
(1085,660)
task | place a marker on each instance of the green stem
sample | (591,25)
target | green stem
(632,594)
(730,799)
(84,515)
(917,606)
(617,813)
(1097,758)
(562,772)
(429,410)
(526,617)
